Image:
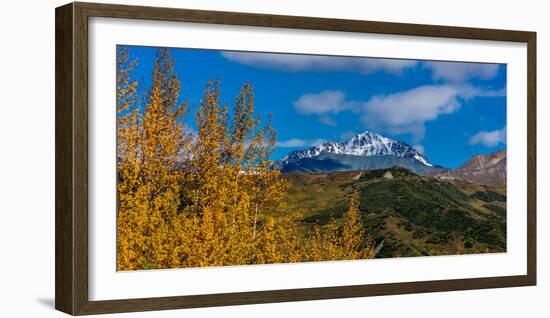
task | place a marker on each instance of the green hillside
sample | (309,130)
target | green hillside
(412,215)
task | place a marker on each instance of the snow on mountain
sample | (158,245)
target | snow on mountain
(365,144)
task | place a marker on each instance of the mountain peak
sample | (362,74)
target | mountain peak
(480,161)
(483,169)
(365,144)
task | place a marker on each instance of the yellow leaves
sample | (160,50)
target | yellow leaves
(126,88)
(149,184)
(352,232)
(209,199)
(349,242)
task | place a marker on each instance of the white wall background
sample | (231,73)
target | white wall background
(27,158)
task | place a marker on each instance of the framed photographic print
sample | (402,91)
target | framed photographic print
(218,158)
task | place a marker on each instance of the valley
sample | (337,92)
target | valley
(409,206)
(407,214)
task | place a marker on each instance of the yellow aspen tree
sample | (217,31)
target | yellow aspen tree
(163,143)
(149,183)
(209,189)
(332,242)
(352,230)
(346,242)
(291,241)
(353,233)
(266,244)
(237,200)
(270,215)
(209,198)
(315,250)
(131,207)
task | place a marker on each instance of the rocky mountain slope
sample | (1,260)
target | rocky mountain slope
(484,169)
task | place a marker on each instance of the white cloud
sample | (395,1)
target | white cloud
(399,113)
(302,62)
(489,138)
(419,148)
(325,102)
(453,72)
(295,142)
(327,120)
(460,72)
(407,112)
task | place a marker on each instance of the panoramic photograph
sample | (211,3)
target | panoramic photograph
(229,158)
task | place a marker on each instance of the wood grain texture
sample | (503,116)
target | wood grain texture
(64,235)
(298,22)
(532,158)
(72,157)
(80,156)
(229,299)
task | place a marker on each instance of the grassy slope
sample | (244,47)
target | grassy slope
(413,215)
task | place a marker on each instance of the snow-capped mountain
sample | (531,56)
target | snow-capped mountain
(366,144)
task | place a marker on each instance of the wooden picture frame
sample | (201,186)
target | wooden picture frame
(71,157)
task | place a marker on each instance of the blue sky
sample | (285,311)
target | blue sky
(450,111)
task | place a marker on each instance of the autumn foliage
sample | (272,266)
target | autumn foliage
(208,197)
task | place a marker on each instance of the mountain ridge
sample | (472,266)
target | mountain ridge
(366,145)
(482,161)
(369,151)
(481,168)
